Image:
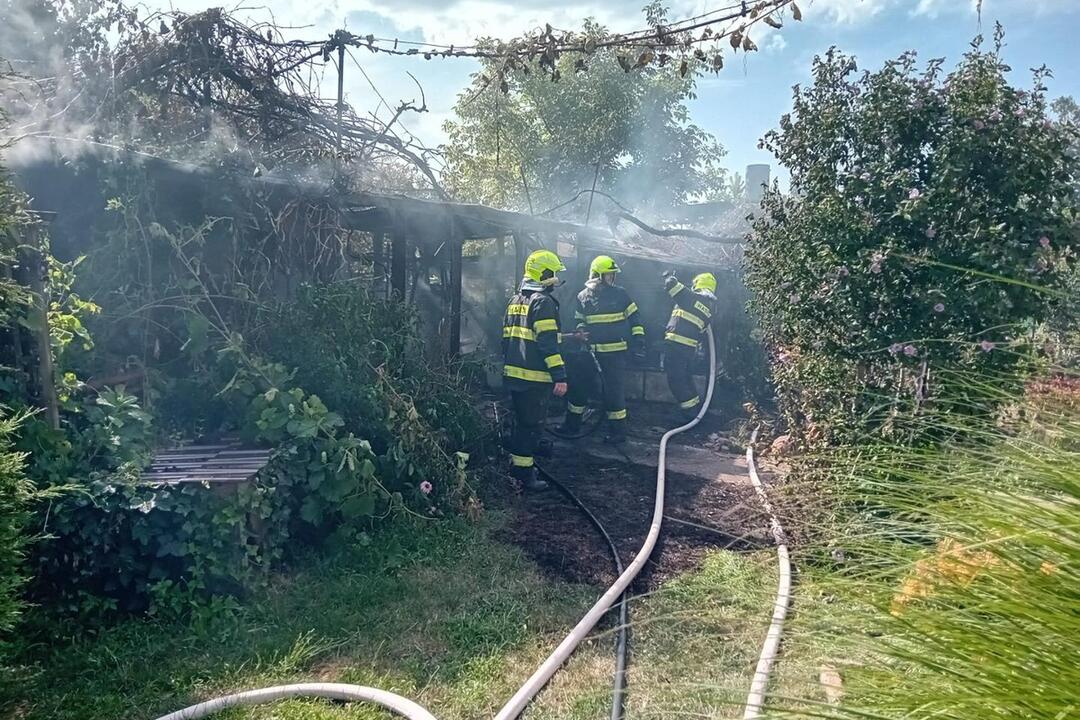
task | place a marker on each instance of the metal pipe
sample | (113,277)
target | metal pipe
(769,651)
(536,682)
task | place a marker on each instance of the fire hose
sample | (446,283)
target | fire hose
(536,682)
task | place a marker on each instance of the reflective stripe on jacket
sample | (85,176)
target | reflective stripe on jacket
(693,312)
(610,317)
(531,340)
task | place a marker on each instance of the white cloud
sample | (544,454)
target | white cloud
(934,8)
(845,12)
(776,43)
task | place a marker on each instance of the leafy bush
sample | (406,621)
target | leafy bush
(116,541)
(365,358)
(15,493)
(910,193)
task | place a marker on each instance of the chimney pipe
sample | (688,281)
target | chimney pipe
(757,179)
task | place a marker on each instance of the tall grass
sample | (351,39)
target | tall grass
(951,568)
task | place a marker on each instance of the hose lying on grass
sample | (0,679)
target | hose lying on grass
(618,692)
(770,649)
(514,707)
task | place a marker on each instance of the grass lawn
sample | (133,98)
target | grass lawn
(441,613)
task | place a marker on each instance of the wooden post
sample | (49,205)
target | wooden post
(378,261)
(519,257)
(455,290)
(398,260)
(39,320)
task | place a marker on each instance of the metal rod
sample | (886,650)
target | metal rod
(340,92)
(525,183)
(592,192)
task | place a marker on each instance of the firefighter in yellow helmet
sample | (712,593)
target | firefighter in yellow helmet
(533,368)
(609,320)
(692,313)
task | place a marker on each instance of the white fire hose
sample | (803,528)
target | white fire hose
(514,707)
(770,649)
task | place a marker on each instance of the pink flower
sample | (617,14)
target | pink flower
(995,115)
(910,350)
(842,271)
(978,124)
(1019,112)
(913,194)
(931,232)
(939,308)
(875,267)
(794,298)
(895,348)
(784,357)
(1048,123)
(1045,242)
(986,346)
(426,487)
(865,177)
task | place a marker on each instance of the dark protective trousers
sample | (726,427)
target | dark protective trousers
(530,410)
(583,381)
(679,366)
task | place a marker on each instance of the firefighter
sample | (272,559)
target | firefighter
(692,313)
(609,320)
(533,368)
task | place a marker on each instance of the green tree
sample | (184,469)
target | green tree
(619,118)
(928,225)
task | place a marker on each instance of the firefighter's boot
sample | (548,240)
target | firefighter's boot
(616,433)
(529,479)
(571,425)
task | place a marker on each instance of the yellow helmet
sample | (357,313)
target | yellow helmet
(603,264)
(705,281)
(540,262)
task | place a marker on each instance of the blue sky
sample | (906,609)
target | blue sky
(738,105)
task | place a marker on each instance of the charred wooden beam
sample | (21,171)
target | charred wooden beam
(398,261)
(455,290)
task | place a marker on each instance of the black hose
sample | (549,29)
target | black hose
(618,692)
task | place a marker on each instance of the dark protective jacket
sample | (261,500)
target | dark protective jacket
(693,312)
(609,315)
(531,339)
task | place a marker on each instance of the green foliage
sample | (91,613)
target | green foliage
(114,542)
(928,228)
(367,358)
(15,495)
(629,128)
(954,579)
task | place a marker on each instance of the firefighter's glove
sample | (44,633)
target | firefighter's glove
(637,347)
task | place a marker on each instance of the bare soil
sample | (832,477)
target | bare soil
(712,506)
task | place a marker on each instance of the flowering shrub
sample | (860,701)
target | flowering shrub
(930,222)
